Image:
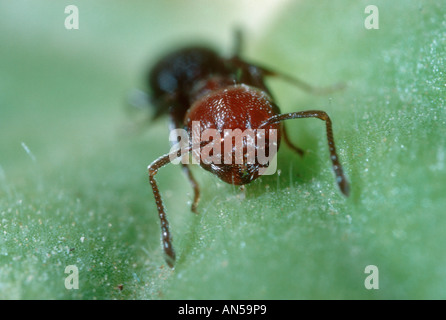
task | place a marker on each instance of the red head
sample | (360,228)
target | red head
(225,110)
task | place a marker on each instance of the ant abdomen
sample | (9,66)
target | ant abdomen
(173,78)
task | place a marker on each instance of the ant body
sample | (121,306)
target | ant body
(197,84)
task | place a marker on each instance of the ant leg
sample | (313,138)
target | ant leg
(195,186)
(302,84)
(174,123)
(337,168)
(153,170)
(165,232)
(238,36)
(290,144)
(138,99)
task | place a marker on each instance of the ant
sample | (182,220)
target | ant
(197,84)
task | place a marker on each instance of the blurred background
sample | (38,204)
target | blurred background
(74,153)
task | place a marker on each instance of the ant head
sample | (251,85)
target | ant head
(233,116)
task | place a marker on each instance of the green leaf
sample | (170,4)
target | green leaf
(73,179)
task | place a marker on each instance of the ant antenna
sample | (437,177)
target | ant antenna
(337,167)
(238,36)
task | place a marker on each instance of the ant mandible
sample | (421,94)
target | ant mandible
(197,84)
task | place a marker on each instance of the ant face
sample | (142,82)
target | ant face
(236,115)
